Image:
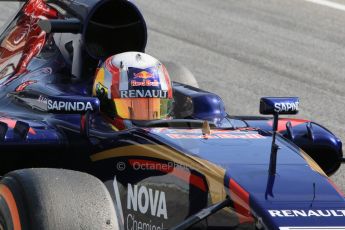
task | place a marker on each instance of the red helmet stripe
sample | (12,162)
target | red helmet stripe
(113,71)
(168,82)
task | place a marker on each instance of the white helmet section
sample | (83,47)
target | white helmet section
(140,61)
(134,59)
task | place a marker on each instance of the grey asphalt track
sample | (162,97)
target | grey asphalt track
(247,49)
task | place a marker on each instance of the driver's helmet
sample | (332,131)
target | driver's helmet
(133,86)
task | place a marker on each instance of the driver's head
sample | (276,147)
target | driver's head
(133,86)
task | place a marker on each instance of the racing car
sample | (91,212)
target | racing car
(64,166)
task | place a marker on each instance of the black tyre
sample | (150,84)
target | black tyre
(54,199)
(181,74)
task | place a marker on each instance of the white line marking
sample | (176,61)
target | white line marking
(329,4)
(118,205)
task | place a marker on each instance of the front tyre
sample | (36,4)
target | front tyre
(54,199)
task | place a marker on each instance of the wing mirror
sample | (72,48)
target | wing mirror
(275,106)
(279,105)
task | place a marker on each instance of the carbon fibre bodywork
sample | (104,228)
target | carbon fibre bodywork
(158,173)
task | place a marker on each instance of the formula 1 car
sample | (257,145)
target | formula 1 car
(64,167)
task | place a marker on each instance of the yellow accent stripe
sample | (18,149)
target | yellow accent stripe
(214,174)
(313,165)
(99,78)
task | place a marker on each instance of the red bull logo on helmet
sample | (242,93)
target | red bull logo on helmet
(143,75)
(145,83)
(142,79)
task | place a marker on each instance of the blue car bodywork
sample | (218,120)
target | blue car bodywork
(159,173)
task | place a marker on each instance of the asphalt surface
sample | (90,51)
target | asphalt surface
(246,49)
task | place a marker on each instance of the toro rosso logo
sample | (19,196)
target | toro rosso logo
(24,85)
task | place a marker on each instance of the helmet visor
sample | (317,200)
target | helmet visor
(143,108)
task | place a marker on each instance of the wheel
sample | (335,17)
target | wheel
(54,199)
(181,74)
